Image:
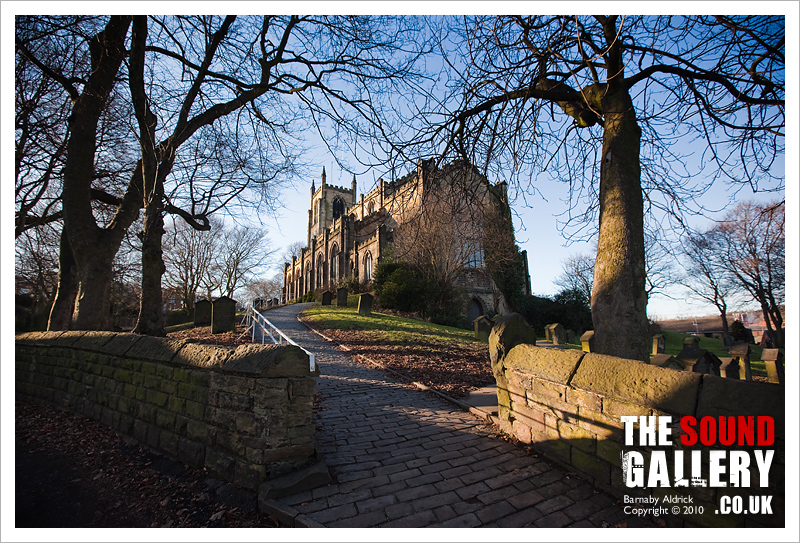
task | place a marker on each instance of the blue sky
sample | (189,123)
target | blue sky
(535,224)
(537,218)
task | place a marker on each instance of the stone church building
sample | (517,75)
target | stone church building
(349,233)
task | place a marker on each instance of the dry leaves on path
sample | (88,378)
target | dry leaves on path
(202,334)
(75,472)
(453,368)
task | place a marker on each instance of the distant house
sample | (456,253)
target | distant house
(171,299)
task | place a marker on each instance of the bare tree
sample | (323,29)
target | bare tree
(264,288)
(36,269)
(188,254)
(293,250)
(577,272)
(705,274)
(242,65)
(444,234)
(585,98)
(241,253)
(752,250)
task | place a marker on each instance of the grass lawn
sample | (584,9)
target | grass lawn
(448,359)
(412,346)
(674,344)
(389,327)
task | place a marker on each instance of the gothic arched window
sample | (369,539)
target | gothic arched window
(371,208)
(320,274)
(368,267)
(334,263)
(338,207)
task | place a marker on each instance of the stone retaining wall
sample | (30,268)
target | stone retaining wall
(245,414)
(569,404)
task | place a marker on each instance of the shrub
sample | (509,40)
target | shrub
(177,316)
(739,332)
(398,286)
(353,285)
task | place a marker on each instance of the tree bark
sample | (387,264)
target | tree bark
(67,291)
(151,313)
(93,305)
(93,247)
(619,300)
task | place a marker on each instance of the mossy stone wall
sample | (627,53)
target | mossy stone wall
(244,413)
(569,404)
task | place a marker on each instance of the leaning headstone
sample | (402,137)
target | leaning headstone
(558,334)
(223,315)
(773,360)
(365,304)
(326,297)
(483,327)
(341,297)
(548,332)
(508,331)
(698,360)
(666,361)
(659,344)
(730,368)
(202,313)
(741,351)
(571,335)
(587,341)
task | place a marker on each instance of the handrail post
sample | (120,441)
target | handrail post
(258,318)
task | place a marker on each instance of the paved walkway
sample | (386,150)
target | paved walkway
(401,457)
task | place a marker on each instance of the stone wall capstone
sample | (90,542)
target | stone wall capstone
(569,404)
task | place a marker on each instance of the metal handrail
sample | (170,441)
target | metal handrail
(254,317)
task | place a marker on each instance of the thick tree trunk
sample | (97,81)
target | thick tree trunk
(64,302)
(151,312)
(93,305)
(619,300)
(93,247)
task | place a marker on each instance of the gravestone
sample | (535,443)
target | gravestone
(571,337)
(773,360)
(548,332)
(691,342)
(587,341)
(202,313)
(741,351)
(659,344)
(365,304)
(275,301)
(326,297)
(698,360)
(223,315)
(483,327)
(666,361)
(341,297)
(558,334)
(730,368)
(508,331)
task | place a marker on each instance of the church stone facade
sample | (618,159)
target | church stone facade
(348,235)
